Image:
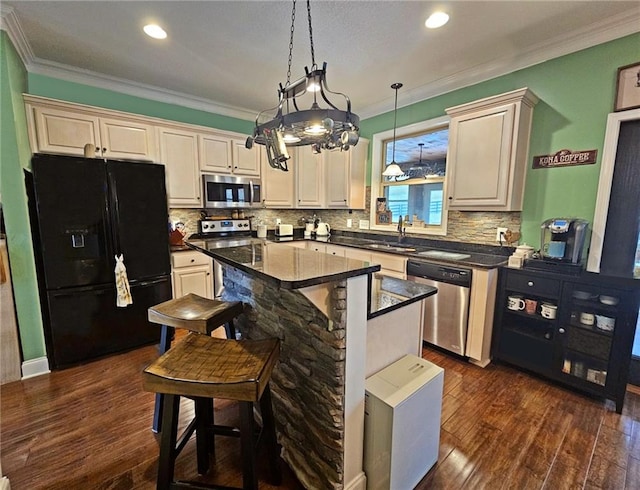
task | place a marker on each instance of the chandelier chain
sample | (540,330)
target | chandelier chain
(313,55)
(293,22)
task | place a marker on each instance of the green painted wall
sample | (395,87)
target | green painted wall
(576,93)
(83,94)
(15,155)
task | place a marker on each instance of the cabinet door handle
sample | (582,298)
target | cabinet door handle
(561,330)
(530,283)
(193,260)
(450,198)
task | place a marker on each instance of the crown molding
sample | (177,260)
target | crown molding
(128,87)
(609,29)
(10,24)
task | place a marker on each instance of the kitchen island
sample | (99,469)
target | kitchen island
(338,322)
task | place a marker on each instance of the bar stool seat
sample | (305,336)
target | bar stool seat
(194,313)
(203,367)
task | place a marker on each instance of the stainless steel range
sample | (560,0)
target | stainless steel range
(223,233)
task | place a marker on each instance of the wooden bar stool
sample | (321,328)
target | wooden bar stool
(194,313)
(202,367)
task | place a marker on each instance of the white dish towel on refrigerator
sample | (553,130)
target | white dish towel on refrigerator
(123,293)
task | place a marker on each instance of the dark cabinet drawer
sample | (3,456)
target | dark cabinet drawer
(528,283)
(529,352)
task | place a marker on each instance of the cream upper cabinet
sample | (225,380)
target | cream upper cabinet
(309,177)
(56,127)
(345,176)
(224,154)
(215,153)
(58,131)
(277,185)
(179,154)
(127,139)
(245,161)
(488,151)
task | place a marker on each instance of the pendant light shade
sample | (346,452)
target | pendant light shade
(322,128)
(393,169)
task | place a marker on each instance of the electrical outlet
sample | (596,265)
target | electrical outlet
(499,236)
(279,221)
(363,224)
(349,222)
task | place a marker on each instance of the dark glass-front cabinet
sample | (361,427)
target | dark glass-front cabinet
(577,330)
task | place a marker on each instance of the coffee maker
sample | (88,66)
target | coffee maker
(563,240)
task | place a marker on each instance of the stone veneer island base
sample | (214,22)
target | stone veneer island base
(320,307)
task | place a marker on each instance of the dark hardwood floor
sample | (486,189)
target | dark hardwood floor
(88,427)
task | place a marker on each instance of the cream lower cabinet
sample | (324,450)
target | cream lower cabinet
(64,128)
(390,264)
(488,152)
(179,154)
(191,272)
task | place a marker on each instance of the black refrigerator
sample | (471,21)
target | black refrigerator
(84,212)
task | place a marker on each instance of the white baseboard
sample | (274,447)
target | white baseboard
(358,483)
(35,367)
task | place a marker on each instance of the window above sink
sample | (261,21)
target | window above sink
(418,194)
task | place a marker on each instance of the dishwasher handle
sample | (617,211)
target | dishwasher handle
(459,276)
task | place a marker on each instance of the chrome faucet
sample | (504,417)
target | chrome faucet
(401,230)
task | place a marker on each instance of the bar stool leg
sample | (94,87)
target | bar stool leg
(203,422)
(230,330)
(167,458)
(165,343)
(249,473)
(271,442)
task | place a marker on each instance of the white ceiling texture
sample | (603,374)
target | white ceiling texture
(229,56)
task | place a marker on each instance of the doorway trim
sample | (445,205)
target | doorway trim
(614,121)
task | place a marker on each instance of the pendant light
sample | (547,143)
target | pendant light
(393,169)
(321,128)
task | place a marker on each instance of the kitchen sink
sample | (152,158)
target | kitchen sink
(440,254)
(391,248)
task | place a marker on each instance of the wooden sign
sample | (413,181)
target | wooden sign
(564,158)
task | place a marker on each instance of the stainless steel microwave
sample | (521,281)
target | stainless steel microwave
(221,191)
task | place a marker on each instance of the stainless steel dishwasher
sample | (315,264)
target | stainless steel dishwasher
(447,312)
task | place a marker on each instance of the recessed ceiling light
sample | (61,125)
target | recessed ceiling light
(436,19)
(155,31)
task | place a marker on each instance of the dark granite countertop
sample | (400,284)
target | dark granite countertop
(470,255)
(389,293)
(285,267)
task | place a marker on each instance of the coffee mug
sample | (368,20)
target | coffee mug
(530,306)
(587,318)
(548,310)
(515,303)
(262,231)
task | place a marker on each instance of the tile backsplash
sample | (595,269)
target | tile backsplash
(463,226)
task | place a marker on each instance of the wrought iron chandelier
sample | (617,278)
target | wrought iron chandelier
(321,128)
